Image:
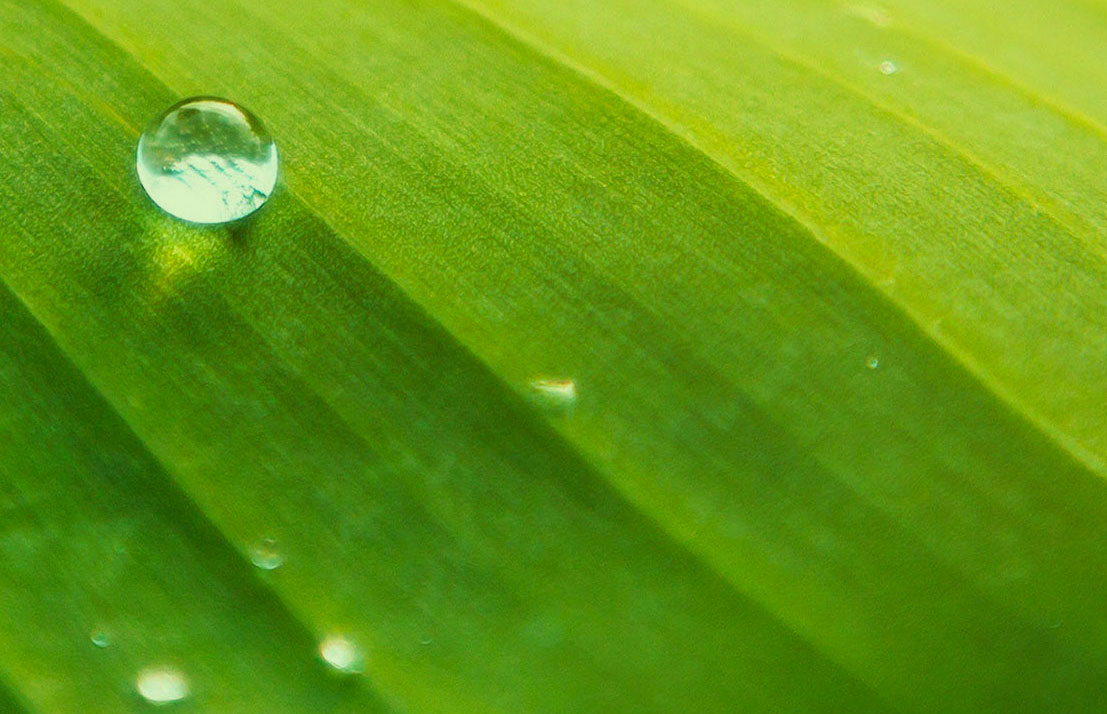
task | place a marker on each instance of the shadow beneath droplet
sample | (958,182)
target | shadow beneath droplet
(241,231)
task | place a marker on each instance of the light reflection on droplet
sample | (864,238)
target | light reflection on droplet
(888,67)
(872,362)
(100,639)
(266,555)
(161,685)
(341,654)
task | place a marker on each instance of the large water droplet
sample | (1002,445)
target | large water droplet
(162,685)
(207,160)
(266,556)
(341,654)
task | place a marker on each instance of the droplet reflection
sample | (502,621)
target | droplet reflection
(266,555)
(341,654)
(556,392)
(162,685)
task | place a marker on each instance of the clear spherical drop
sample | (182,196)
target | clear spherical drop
(161,685)
(266,556)
(341,654)
(207,160)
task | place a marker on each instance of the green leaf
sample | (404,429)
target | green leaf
(663,356)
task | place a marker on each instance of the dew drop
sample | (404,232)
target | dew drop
(207,160)
(162,685)
(888,67)
(872,361)
(556,392)
(266,556)
(341,654)
(100,639)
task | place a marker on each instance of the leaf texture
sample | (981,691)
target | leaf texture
(836,337)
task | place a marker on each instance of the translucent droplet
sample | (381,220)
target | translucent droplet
(341,654)
(100,639)
(266,555)
(888,67)
(872,361)
(556,392)
(162,685)
(207,160)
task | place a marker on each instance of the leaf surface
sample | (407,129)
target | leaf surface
(835,339)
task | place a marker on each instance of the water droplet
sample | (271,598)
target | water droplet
(426,640)
(556,392)
(207,160)
(888,67)
(872,361)
(162,685)
(341,654)
(100,639)
(266,555)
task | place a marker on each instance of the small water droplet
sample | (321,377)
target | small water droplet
(266,555)
(207,160)
(872,362)
(556,392)
(888,67)
(341,653)
(426,640)
(162,685)
(101,639)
